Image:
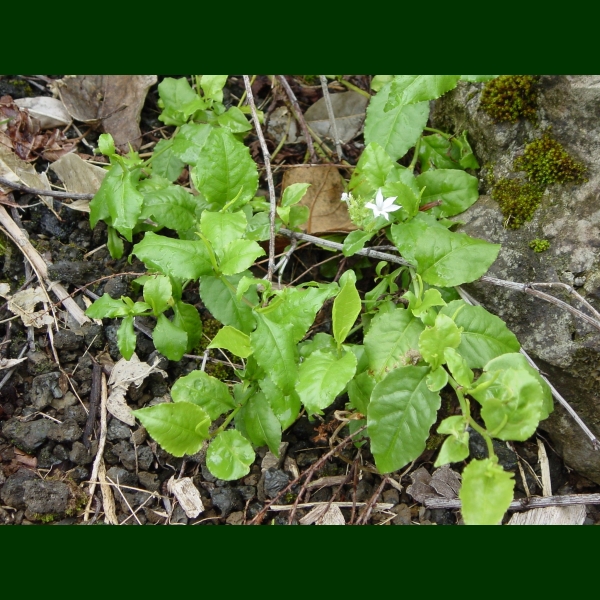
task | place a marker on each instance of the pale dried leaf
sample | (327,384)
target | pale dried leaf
(551,515)
(328,213)
(115,100)
(18,171)
(116,405)
(324,514)
(127,372)
(281,122)
(50,112)
(4,290)
(349,109)
(23,304)
(420,489)
(446,482)
(79,176)
(9,363)
(188,496)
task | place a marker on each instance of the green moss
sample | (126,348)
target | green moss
(434,441)
(546,162)
(510,97)
(46,518)
(538,245)
(518,201)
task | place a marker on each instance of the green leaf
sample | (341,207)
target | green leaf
(360,390)
(512,405)
(184,259)
(486,492)
(205,391)
(126,339)
(187,318)
(262,425)
(408,89)
(434,340)
(106,306)
(298,215)
(235,120)
(320,341)
(431,297)
(114,243)
(259,227)
(458,367)
(477,78)
(436,150)
(189,141)
(390,337)
(175,95)
(173,207)
(225,169)
(157,293)
(169,340)
(119,200)
(516,360)
(222,228)
(371,171)
(294,193)
(212,86)
(397,130)
(106,144)
(356,241)
(285,408)
(238,256)
(179,428)
(322,377)
(223,304)
(298,307)
(453,450)
(275,351)
(442,257)
(234,340)
(456,189)
(165,162)
(346,308)
(230,455)
(400,414)
(462,149)
(437,380)
(456,447)
(484,335)
(379,81)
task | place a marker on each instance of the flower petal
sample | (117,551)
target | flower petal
(389,201)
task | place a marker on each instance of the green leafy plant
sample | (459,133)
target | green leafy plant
(409,352)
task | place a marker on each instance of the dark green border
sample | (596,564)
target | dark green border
(300,38)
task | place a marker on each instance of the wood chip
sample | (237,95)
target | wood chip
(187,494)
(551,515)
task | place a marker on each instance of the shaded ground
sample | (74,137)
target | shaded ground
(49,430)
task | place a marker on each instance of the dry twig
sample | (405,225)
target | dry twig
(338,147)
(267,161)
(55,194)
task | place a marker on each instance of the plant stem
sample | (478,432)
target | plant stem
(415,157)
(484,434)
(350,86)
(445,135)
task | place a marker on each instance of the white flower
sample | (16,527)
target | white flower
(345,197)
(383,207)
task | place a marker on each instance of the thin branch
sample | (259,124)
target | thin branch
(299,117)
(524,503)
(336,137)
(267,161)
(55,194)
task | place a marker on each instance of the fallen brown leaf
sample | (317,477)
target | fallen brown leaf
(328,214)
(114,101)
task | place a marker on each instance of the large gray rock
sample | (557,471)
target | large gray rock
(565,348)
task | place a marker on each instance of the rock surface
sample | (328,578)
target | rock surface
(564,347)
